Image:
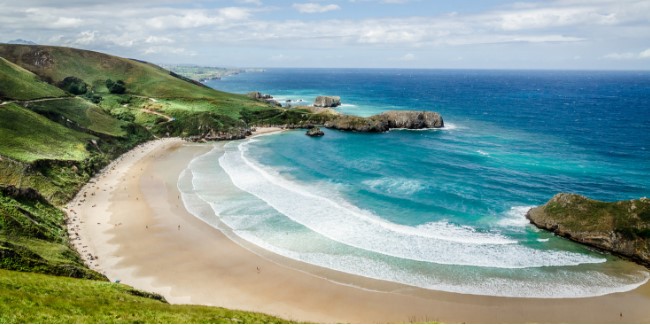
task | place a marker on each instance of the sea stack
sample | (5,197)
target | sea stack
(327,101)
(315,132)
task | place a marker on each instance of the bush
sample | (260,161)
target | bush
(116,87)
(73,85)
(93,97)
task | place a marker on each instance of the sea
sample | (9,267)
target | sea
(440,209)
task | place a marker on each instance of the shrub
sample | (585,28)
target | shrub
(73,85)
(116,87)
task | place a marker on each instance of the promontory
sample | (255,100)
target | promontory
(622,227)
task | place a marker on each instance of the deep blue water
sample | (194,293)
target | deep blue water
(441,209)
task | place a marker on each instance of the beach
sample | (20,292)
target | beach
(130,224)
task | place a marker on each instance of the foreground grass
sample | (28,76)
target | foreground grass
(37,298)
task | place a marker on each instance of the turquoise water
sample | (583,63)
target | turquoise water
(440,209)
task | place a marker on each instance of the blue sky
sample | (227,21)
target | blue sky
(496,34)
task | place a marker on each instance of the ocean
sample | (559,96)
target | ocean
(439,209)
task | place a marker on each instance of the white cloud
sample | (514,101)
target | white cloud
(312,8)
(252,2)
(408,57)
(158,40)
(628,55)
(168,50)
(645,54)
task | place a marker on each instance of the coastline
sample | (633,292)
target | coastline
(143,235)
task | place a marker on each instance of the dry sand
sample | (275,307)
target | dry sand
(137,226)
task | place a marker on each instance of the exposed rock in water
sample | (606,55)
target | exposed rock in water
(622,228)
(388,120)
(315,132)
(327,101)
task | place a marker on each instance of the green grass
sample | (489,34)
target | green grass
(36,298)
(33,238)
(20,84)
(630,218)
(28,137)
(57,63)
(83,113)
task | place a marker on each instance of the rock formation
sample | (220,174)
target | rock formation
(622,228)
(386,121)
(315,132)
(327,101)
(263,97)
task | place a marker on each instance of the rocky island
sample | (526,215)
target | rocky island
(622,227)
(386,121)
(327,101)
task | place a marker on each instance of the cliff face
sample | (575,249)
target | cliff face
(620,227)
(387,120)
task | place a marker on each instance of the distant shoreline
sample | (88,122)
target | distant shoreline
(143,236)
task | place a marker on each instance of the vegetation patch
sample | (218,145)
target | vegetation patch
(37,298)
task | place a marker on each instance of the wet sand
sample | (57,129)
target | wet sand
(137,226)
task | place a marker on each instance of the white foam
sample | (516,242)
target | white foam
(559,284)
(251,221)
(516,217)
(395,185)
(438,242)
(483,153)
(348,105)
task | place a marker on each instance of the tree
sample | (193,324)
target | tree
(73,85)
(116,87)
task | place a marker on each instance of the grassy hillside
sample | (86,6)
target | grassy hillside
(81,114)
(52,143)
(35,298)
(56,63)
(20,84)
(33,237)
(27,137)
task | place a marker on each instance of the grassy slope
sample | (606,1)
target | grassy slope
(49,146)
(20,84)
(36,298)
(51,141)
(83,114)
(33,238)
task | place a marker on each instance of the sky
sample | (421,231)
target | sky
(466,34)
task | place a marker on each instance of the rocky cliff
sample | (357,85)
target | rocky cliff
(622,228)
(327,101)
(386,121)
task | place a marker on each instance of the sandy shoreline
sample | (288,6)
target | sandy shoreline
(137,226)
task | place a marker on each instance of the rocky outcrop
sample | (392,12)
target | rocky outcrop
(213,135)
(622,228)
(387,120)
(315,132)
(327,101)
(263,97)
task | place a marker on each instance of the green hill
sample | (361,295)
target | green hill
(28,137)
(20,84)
(52,142)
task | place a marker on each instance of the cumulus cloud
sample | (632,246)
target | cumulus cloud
(150,28)
(312,8)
